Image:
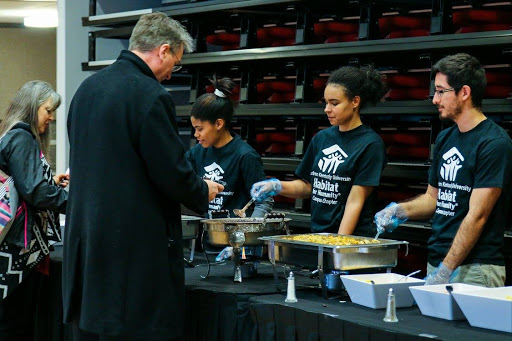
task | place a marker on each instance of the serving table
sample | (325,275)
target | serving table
(219,309)
(314,318)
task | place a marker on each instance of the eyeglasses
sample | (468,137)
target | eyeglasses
(177,67)
(441,92)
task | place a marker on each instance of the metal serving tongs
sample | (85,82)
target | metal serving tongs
(379,229)
(241,212)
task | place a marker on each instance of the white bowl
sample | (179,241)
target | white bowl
(375,295)
(489,308)
(436,301)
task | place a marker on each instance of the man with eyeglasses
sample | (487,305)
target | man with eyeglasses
(123,276)
(469,191)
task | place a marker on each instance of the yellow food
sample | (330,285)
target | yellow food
(508,297)
(336,240)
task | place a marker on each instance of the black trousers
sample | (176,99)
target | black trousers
(17,311)
(82,335)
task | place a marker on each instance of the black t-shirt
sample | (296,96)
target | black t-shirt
(479,158)
(333,163)
(236,165)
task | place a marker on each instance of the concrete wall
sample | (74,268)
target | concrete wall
(25,54)
(72,50)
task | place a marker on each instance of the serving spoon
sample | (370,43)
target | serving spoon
(409,275)
(241,212)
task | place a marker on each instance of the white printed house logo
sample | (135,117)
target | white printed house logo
(333,158)
(214,172)
(452,164)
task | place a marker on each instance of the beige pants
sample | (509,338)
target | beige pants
(486,275)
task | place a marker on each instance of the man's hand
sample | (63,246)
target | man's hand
(213,189)
(390,217)
(265,189)
(441,275)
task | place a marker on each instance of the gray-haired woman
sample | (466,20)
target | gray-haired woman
(24,137)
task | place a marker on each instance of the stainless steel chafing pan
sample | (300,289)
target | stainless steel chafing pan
(239,232)
(190,226)
(371,255)
(337,257)
(190,231)
(219,230)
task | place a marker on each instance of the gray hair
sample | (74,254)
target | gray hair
(155,29)
(24,107)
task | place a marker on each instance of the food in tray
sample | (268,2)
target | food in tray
(331,239)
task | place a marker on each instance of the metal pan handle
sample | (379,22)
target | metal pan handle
(277,215)
(218,214)
(273,215)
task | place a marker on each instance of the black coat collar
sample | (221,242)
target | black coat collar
(136,61)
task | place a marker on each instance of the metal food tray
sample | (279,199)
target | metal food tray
(190,226)
(220,231)
(333,257)
(190,231)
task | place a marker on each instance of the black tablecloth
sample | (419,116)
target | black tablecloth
(221,278)
(217,308)
(314,318)
(49,324)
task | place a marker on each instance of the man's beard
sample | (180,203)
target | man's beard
(452,117)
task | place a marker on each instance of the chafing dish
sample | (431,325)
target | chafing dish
(220,230)
(190,231)
(240,232)
(381,253)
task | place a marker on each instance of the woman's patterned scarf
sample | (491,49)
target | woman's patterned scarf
(17,262)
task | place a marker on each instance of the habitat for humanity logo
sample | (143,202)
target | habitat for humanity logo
(333,158)
(214,172)
(451,166)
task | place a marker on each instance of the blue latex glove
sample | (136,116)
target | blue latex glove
(390,217)
(441,275)
(265,189)
(226,253)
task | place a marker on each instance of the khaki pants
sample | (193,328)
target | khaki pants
(486,275)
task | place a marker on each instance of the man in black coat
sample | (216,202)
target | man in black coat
(123,271)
